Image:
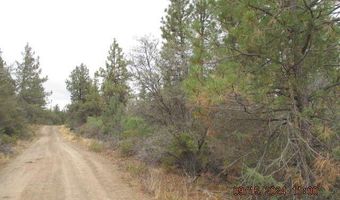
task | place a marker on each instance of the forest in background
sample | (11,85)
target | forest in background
(242,92)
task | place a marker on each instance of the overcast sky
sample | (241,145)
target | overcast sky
(65,33)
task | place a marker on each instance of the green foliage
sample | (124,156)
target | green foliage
(182,144)
(93,102)
(185,153)
(112,117)
(95,122)
(175,50)
(11,120)
(253,177)
(86,100)
(6,139)
(96,146)
(135,127)
(79,83)
(115,75)
(31,93)
(53,116)
(235,83)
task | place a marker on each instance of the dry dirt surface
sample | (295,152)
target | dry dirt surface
(52,168)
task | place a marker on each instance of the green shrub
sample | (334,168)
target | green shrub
(135,126)
(253,177)
(182,144)
(6,139)
(94,123)
(183,153)
(96,146)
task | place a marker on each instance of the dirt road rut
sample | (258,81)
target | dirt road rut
(53,169)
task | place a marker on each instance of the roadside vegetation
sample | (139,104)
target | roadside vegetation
(244,93)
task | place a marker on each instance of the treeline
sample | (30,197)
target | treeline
(23,99)
(245,91)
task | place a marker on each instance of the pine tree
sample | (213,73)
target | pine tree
(176,47)
(203,38)
(115,75)
(175,61)
(115,89)
(79,83)
(285,55)
(11,121)
(30,87)
(94,103)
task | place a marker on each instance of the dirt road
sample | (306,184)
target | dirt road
(52,168)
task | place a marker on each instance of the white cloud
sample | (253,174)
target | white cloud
(65,33)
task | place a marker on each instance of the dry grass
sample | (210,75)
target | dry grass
(67,134)
(163,185)
(91,144)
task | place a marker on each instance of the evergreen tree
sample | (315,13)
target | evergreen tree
(115,75)
(176,47)
(94,103)
(115,89)
(203,38)
(175,62)
(285,55)
(79,83)
(11,121)
(30,87)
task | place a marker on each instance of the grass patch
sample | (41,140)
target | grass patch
(96,146)
(137,170)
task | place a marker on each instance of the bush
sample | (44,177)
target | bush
(135,127)
(183,153)
(6,139)
(92,128)
(95,123)
(153,148)
(96,146)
